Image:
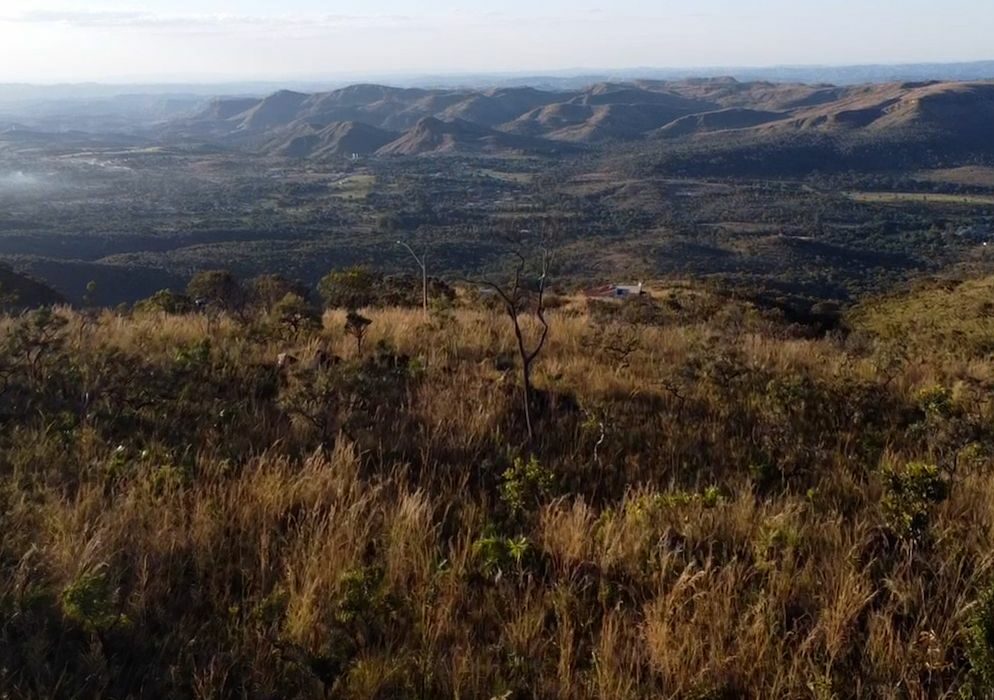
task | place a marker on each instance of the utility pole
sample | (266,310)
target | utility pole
(424,274)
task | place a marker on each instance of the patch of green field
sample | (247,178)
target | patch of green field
(921,198)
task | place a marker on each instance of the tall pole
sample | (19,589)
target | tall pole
(424,274)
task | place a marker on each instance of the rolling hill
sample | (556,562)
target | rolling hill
(363,118)
(275,110)
(338,139)
(498,106)
(720,120)
(585,123)
(20,292)
(434,136)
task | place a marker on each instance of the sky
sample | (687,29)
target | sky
(208,40)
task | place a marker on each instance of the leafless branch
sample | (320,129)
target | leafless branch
(515,299)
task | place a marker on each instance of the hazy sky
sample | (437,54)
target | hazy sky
(53,40)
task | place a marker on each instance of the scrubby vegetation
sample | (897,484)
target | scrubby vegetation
(714,502)
(757,214)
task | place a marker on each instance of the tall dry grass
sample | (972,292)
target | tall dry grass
(711,511)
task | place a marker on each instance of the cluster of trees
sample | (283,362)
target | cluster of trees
(351,288)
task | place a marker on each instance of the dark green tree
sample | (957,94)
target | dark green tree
(166,301)
(357,325)
(296,315)
(267,291)
(219,288)
(352,288)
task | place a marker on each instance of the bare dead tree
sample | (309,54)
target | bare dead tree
(515,297)
(422,263)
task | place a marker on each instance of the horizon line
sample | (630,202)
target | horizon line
(715,71)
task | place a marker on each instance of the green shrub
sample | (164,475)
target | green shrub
(271,610)
(711,497)
(91,601)
(266,291)
(193,357)
(525,484)
(366,608)
(935,401)
(910,494)
(778,543)
(166,301)
(980,645)
(295,315)
(359,594)
(495,555)
(973,456)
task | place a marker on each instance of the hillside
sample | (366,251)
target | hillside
(716,502)
(338,139)
(963,110)
(499,105)
(550,118)
(21,292)
(728,93)
(434,136)
(583,123)
(627,94)
(226,108)
(890,113)
(277,109)
(731,118)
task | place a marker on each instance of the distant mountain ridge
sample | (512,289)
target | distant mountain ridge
(390,121)
(566,79)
